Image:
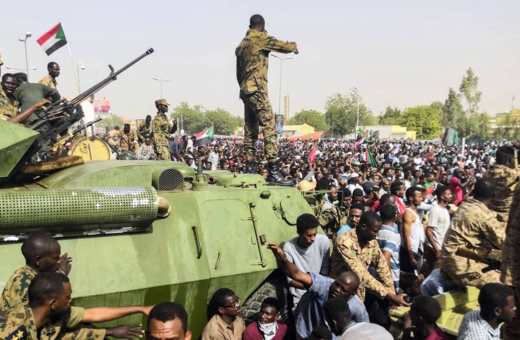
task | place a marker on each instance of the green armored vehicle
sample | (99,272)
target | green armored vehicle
(142,232)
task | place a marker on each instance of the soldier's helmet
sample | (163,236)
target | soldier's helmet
(127,156)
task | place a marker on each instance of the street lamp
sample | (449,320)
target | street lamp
(280,91)
(79,65)
(19,69)
(355,90)
(24,40)
(161,81)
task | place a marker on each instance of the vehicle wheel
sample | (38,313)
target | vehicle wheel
(274,286)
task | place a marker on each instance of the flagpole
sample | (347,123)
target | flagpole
(74,68)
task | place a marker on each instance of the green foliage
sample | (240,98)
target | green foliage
(390,117)
(341,114)
(509,127)
(110,122)
(453,114)
(196,118)
(313,118)
(469,90)
(478,126)
(424,119)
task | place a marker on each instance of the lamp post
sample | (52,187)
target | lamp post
(79,65)
(24,40)
(161,81)
(280,90)
(355,90)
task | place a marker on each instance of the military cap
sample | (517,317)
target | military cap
(20,75)
(161,102)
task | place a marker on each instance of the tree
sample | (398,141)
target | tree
(196,118)
(341,114)
(479,126)
(453,114)
(469,90)
(390,117)
(313,118)
(110,122)
(424,119)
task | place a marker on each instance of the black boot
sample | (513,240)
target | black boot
(275,176)
(250,167)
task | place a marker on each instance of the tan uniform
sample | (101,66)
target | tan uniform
(505,179)
(16,288)
(476,228)
(331,219)
(349,255)
(143,130)
(126,141)
(252,68)
(49,81)
(8,108)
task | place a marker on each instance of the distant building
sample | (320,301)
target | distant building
(388,132)
(296,130)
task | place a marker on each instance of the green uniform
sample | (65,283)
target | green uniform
(29,94)
(252,65)
(331,219)
(18,324)
(8,109)
(162,129)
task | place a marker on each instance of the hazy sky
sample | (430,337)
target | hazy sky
(397,53)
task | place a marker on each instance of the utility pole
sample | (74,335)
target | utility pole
(24,40)
(280,89)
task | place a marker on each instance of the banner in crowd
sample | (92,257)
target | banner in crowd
(204,137)
(279,123)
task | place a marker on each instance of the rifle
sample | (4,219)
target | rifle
(57,118)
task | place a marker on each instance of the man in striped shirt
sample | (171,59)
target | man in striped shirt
(389,240)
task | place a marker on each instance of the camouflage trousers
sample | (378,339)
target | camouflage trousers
(162,148)
(258,112)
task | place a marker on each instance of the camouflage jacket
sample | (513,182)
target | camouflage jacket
(476,228)
(18,324)
(162,128)
(49,81)
(505,179)
(253,60)
(143,130)
(8,109)
(331,219)
(510,268)
(16,288)
(349,255)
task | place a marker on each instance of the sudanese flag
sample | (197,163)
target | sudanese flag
(53,40)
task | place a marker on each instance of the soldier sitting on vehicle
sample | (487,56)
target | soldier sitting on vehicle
(49,313)
(308,315)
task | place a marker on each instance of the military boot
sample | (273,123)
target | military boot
(275,176)
(250,167)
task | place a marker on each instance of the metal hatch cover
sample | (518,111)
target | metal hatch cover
(290,211)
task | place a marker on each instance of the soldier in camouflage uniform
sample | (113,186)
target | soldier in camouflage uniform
(8,105)
(505,176)
(50,79)
(510,268)
(252,64)
(48,315)
(162,129)
(128,139)
(476,228)
(356,250)
(145,128)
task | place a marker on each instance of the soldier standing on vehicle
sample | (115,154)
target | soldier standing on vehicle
(50,79)
(162,129)
(252,64)
(505,176)
(476,228)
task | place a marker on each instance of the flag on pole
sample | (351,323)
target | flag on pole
(310,136)
(370,158)
(53,40)
(204,137)
(312,155)
(362,139)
